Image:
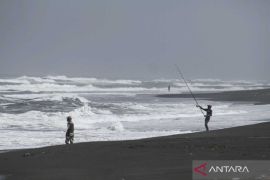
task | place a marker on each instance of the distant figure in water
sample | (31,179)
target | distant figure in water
(70,131)
(209,112)
(169,88)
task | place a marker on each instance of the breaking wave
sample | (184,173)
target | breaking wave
(33,109)
(66,84)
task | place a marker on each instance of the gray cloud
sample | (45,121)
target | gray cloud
(136,39)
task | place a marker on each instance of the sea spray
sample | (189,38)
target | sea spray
(33,110)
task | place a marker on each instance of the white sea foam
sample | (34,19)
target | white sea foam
(34,128)
(49,87)
(111,109)
(35,79)
(43,97)
(94,80)
(66,84)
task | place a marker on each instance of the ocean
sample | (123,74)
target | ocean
(33,110)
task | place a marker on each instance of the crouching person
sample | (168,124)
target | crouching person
(70,131)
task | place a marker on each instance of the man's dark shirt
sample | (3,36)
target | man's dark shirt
(208,111)
(70,129)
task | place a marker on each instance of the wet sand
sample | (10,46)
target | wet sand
(257,97)
(161,158)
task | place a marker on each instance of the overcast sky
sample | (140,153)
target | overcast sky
(138,39)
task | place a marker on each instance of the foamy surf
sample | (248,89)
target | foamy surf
(33,109)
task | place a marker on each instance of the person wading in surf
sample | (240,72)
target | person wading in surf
(209,112)
(70,131)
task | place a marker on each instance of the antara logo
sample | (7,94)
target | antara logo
(204,171)
(229,169)
(201,169)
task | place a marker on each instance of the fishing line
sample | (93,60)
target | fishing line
(182,76)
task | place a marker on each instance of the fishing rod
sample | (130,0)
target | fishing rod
(182,76)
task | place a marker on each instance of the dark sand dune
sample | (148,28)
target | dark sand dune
(150,159)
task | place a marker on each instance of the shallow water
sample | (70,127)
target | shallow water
(33,109)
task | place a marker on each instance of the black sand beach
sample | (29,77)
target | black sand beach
(161,158)
(261,96)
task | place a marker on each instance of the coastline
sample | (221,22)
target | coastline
(157,158)
(257,97)
(168,157)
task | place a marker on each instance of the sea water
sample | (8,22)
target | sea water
(33,110)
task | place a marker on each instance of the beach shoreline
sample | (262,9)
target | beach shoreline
(257,97)
(167,157)
(157,158)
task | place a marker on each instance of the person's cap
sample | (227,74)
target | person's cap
(209,105)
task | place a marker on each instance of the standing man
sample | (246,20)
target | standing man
(169,88)
(70,131)
(209,112)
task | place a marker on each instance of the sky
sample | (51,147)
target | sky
(136,39)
